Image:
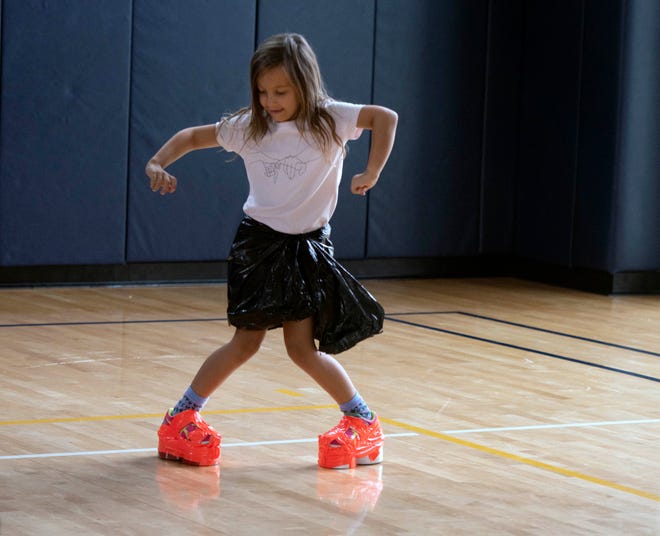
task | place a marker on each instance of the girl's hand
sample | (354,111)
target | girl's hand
(184,141)
(160,179)
(362,183)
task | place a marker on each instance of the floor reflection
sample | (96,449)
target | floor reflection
(187,487)
(347,496)
(355,492)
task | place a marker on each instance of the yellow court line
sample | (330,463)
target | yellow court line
(289,392)
(410,427)
(158,415)
(521,459)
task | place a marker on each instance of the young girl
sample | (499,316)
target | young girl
(281,270)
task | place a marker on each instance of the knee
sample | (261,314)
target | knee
(301,353)
(246,343)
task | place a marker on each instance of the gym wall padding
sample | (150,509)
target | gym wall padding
(528,133)
(64,131)
(637,246)
(550,103)
(429,66)
(598,133)
(588,184)
(342,35)
(190,66)
(499,157)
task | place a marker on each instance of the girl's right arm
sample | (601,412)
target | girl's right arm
(181,143)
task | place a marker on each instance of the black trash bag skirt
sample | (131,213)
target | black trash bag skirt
(275,277)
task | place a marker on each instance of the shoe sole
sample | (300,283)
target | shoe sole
(174,458)
(176,455)
(364,460)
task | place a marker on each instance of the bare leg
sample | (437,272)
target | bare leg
(225,360)
(351,442)
(323,368)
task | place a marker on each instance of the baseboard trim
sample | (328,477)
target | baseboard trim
(589,280)
(597,281)
(114,274)
(216,271)
(636,283)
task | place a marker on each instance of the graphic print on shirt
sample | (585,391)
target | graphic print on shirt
(291,166)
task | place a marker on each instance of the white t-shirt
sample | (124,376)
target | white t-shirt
(293,186)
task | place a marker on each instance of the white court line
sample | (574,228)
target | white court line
(134,451)
(547,426)
(312,440)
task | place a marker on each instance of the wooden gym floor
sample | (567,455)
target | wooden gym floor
(510,408)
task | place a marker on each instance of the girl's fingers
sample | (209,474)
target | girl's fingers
(164,182)
(165,186)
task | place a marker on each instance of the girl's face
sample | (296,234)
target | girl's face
(277,95)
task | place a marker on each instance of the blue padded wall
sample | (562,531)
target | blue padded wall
(500,127)
(342,35)
(63,132)
(429,67)
(190,66)
(549,131)
(527,129)
(593,220)
(638,172)
(588,189)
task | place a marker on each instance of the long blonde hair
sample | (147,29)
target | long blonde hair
(293,53)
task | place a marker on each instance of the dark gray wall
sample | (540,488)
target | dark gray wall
(188,66)
(637,202)
(588,182)
(527,129)
(63,131)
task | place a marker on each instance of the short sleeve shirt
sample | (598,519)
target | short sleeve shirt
(294,186)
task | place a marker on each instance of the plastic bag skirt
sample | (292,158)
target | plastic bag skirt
(275,277)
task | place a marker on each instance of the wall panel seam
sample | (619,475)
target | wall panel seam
(484,129)
(614,238)
(576,152)
(128,127)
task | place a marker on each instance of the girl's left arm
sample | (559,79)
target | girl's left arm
(382,123)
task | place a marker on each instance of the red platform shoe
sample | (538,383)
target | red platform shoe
(352,442)
(185,437)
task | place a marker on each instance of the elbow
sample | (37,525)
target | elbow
(391,118)
(394,117)
(385,120)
